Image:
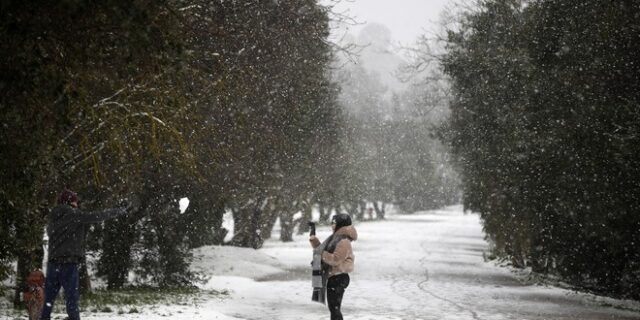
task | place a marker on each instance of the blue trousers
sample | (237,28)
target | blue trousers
(63,275)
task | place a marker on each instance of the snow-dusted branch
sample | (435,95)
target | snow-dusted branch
(146,114)
(87,155)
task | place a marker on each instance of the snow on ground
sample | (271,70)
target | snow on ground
(427,265)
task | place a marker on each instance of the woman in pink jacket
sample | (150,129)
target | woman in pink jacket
(338,255)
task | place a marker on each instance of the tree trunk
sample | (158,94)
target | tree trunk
(363,210)
(242,225)
(206,217)
(324,213)
(23,270)
(26,263)
(268,221)
(21,275)
(85,279)
(115,261)
(356,211)
(352,209)
(256,234)
(247,227)
(31,252)
(307,215)
(379,210)
(286,226)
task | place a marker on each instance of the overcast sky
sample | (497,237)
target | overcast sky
(407,19)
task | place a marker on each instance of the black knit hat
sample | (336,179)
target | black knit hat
(341,220)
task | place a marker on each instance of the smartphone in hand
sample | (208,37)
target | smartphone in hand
(312,228)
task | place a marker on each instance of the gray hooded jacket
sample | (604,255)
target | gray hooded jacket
(67,231)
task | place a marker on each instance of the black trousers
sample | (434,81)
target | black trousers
(335,290)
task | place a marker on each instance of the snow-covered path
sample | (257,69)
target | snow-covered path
(422,266)
(433,268)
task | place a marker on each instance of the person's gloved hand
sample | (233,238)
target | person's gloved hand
(312,228)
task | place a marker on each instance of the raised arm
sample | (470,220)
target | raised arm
(99,216)
(314,241)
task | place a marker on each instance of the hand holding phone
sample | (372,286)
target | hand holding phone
(312,228)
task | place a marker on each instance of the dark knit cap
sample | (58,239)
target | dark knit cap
(341,220)
(67,196)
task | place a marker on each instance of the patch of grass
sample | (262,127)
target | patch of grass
(122,301)
(128,300)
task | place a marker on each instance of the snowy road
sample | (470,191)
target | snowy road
(433,269)
(420,266)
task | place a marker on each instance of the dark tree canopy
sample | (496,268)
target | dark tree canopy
(545,123)
(227,102)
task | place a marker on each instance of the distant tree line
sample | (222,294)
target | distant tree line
(545,125)
(392,155)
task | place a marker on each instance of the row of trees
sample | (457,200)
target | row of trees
(546,123)
(233,104)
(226,102)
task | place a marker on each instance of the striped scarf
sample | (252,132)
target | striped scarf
(320,270)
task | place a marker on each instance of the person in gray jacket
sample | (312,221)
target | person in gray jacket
(66,229)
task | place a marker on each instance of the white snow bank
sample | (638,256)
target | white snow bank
(234,262)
